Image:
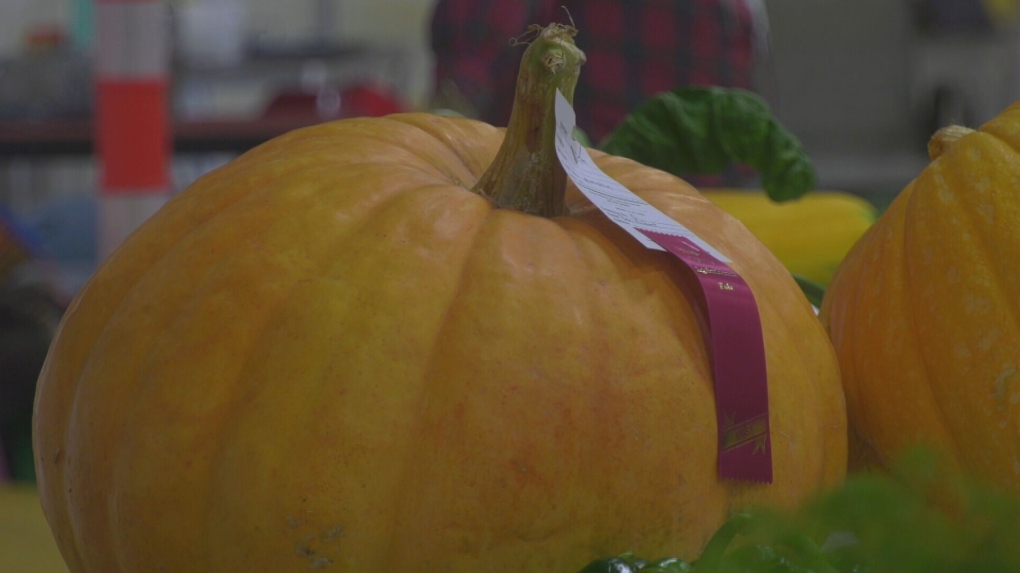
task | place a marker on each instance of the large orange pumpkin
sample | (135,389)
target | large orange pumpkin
(923,312)
(331,353)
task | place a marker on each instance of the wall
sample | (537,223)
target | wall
(857,82)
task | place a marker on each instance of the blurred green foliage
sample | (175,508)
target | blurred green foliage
(921,516)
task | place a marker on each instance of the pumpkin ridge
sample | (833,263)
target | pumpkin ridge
(1011,304)
(808,357)
(253,199)
(832,455)
(410,203)
(443,167)
(845,297)
(429,382)
(910,210)
(442,137)
(362,134)
(852,309)
(548,534)
(407,496)
(966,207)
(401,203)
(97,287)
(228,421)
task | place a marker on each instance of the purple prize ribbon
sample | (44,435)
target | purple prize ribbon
(738,361)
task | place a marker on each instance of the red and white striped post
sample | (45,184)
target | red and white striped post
(132,134)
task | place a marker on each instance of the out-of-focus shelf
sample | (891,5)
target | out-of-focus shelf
(214,108)
(76,137)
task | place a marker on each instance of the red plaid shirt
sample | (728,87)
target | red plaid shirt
(635,49)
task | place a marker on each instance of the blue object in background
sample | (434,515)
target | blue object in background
(66,230)
(17,244)
(65,235)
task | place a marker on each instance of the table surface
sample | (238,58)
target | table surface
(26,544)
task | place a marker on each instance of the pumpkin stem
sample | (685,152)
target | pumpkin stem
(526,175)
(945,137)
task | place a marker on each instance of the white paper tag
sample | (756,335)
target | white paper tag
(621,205)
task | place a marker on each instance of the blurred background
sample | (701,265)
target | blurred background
(863,83)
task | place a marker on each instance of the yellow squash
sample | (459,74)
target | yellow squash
(810,235)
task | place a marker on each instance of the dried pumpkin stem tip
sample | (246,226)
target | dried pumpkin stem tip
(526,174)
(945,137)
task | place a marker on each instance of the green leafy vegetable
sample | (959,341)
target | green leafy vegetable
(920,518)
(703,130)
(814,291)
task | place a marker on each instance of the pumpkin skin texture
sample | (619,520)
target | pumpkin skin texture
(923,312)
(330,353)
